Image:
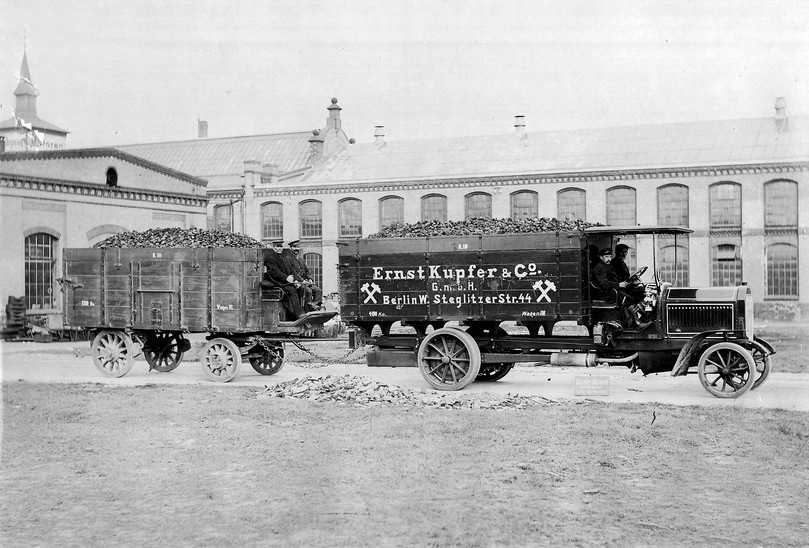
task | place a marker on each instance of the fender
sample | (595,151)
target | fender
(688,351)
(763,345)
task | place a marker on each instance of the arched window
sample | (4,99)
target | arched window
(726,206)
(223,217)
(112,177)
(524,204)
(478,205)
(40,262)
(781,235)
(781,204)
(311,215)
(621,206)
(782,270)
(672,205)
(726,262)
(571,204)
(349,212)
(622,211)
(391,211)
(434,207)
(272,221)
(314,262)
(672,210)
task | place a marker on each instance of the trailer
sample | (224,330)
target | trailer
(156,296)
(455,292)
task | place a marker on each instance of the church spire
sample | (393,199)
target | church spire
(25,93)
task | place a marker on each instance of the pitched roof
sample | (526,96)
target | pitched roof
(226,156)
(96,153)
(719,142)
(35,121)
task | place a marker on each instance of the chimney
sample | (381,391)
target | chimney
(379,133)
(781,120)
(519,125)
(315,146)
(333,122)
(202,129)
(269,173)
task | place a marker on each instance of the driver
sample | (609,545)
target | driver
(635,291)
(606,280)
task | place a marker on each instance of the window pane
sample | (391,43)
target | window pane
(434,208)
(621,210)
(524,204)
(726,205)
(726,262)
(350,213)
(391,211)
(314,262)
(782,270)
(40,255)
(478,204)
(272,221)
(571,204)
(781,204)
(223,217)
(672,205)
(311,219)
(673,260)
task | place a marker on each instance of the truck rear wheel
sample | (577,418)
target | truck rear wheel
(271,360)
(449,359)
(221,359)
(763,366)
(727,370)
(163,351)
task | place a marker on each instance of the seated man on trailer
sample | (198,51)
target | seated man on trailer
(278,274)
(311,295)
(609,287)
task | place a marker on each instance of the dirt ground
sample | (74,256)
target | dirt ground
(191,465)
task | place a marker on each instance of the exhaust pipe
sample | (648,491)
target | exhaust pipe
(586,359)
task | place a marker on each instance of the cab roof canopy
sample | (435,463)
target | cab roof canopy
(637,230)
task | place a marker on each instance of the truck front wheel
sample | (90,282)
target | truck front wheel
(449,359)
(727,370)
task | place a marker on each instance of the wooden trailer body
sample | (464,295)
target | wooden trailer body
(184,289)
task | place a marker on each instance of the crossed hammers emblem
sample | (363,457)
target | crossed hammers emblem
(544,286)
(370,290)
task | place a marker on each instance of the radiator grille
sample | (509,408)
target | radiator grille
(692,318)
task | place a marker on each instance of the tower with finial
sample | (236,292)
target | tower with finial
(25,130)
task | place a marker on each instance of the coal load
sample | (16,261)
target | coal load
(178,237)
(471,227)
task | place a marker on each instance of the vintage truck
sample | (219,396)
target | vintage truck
(454,292)
(155,296)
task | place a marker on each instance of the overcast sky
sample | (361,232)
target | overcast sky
(129,71)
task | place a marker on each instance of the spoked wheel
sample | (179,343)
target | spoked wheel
(727,370)
(449,359)
(164,351)
(271,360)
(221,359)
(491,372)
(113,353)
(763,366)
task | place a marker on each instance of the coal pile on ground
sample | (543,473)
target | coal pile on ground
(364,392)
(178,237)
(470,227)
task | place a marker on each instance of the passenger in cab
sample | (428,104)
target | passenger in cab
(610,288)
(279,274)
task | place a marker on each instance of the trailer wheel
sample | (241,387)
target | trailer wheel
(113,353)
(727,370)
(164,351)
(763,366)
(270,362)
(221,359)
(493,372)
(449,359)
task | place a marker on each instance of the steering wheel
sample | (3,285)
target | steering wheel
(639,273)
